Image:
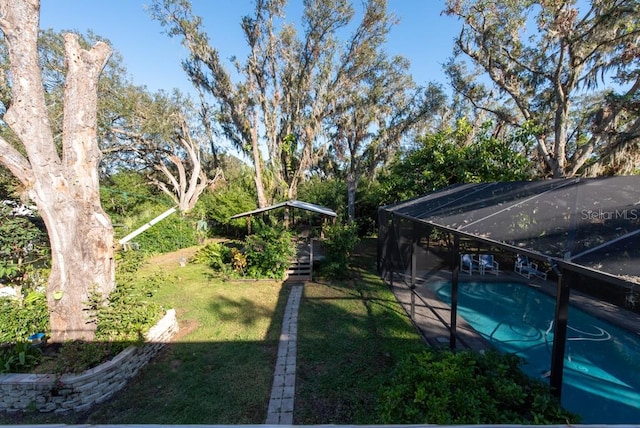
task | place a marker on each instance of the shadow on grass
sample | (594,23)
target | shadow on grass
(198,378)
(219,370)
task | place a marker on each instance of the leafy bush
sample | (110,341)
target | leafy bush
(127,264)
(24,249)
(268,253)
(215,254)
(330,193)
(467,388)
(169,235)
(219,206)
(339,244)
(19,357)
(128,194)
(20,318)
(128,312)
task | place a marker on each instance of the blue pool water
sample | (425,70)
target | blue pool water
(601,378)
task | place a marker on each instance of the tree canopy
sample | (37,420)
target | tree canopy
(298,95)
(546,61)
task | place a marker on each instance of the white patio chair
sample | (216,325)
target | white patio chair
(469,264)
(488,264)
(528,268)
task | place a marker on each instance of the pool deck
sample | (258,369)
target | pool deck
(430,313)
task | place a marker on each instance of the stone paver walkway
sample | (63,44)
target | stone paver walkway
(284,379)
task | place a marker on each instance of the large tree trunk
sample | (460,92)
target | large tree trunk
(81,238)
(64,188)
(257,164)
(352,188)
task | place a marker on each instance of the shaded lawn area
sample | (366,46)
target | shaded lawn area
(219,368)
(350,336)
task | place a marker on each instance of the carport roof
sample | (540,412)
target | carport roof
(291,203)
(592,223)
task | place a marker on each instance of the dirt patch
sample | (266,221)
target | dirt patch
(174,259)
(185,327)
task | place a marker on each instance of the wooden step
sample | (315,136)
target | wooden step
(299,271)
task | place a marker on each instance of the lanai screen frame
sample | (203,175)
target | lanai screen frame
(610,206)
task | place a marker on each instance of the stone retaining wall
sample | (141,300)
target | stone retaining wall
(78,392)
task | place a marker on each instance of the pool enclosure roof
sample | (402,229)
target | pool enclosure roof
(592,225)
(294,204)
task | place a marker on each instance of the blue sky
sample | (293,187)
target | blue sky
(152,59)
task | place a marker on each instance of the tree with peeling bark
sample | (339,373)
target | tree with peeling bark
(160,136)
(237,111)
(546,59)
(61,181)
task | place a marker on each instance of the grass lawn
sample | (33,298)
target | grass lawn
(350,336)
(219,369)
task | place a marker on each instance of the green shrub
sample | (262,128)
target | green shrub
(443,387)
(24,249)
(330,193)
(20,318)
(268,253)
(171,234)
(215,254)
(340,241)
(19,357)
(127,264)
(128,312)
(218,207)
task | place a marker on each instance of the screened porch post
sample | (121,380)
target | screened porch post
(559,334)
(454,291)
(414,251)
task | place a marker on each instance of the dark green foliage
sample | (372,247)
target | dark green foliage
(170,234)
(20,318)
(215,254)
(268,253)
(19,357)
(129,310)
(445,158)
(24,249)
(369,197)
(78,356)
(127,194)
(132,202)
(340,241)
(443,387)
(330,193)
(236,195)
(218,207)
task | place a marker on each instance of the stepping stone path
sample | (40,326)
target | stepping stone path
(284,379)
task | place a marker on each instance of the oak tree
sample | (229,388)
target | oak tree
(291,82)
(547,59)
(160,137)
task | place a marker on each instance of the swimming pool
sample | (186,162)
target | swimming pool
(601,378)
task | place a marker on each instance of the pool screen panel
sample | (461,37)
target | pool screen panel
(594,223)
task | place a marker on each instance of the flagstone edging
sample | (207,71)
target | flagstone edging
(78,392)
